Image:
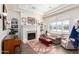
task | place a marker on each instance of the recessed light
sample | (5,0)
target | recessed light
(33,8)
(50,7)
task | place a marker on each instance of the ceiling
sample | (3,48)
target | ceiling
(40,8)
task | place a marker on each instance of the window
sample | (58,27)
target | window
(53,26)
(59,26)
(66,26)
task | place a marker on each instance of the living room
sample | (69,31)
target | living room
(37,28)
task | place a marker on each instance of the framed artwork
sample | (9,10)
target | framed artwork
(31,20)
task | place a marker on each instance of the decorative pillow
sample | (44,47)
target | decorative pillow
(72,39)
(70,45)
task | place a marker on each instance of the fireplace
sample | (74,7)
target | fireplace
(31,36)
(30,32)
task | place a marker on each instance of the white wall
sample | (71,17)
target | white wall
(71,15)
(0,19)
(37,16)
(0,8)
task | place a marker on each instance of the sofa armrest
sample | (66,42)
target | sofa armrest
(67,43)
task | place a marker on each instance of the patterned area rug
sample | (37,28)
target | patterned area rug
(39,47)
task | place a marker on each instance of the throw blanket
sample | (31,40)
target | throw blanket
(74,35)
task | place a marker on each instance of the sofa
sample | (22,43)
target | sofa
(56,38)
(45,41)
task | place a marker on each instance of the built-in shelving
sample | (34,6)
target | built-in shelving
(14,24)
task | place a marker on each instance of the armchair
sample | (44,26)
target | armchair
(67,43)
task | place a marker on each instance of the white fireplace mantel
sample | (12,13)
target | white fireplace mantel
(29,29)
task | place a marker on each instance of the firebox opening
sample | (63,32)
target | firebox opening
(31,36)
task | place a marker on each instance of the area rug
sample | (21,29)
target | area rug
(39,47)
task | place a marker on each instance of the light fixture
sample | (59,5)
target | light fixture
(50,7)
(4,14)
(4,10)
(33,8)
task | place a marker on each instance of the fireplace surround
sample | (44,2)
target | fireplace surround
(29,32)
(31,36)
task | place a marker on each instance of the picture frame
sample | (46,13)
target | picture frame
(31,20)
